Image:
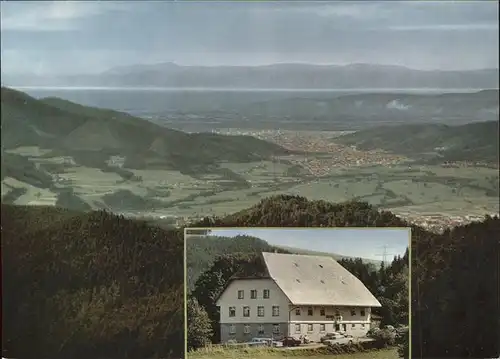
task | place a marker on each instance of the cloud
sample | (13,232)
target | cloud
(444,27)
(50,15)
(352,10)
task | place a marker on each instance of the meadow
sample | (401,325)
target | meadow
(424,189)
(263,353)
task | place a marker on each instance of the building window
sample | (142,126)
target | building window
(232,329)
(310,311)
(337,313)
(232,311)
(246,311)
(266,293)
(322,312)
(261,329)
(309,327)
(241,294)
(297,328)
(246,329)
(363,313)
(353,326)
(276,311)
(362,325)
(321,327)
(260,311)
(297,311)
(253,294)
(353,312)
(276,328)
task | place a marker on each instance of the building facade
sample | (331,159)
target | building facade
(274,307)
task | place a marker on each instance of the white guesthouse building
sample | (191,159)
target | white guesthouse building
(302,295)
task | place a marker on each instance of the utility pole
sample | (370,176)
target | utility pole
(385,254)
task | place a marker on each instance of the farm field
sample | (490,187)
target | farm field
(402,188)
(284,353)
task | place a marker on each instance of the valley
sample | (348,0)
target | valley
(104,159)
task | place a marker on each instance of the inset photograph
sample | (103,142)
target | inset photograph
(321,291)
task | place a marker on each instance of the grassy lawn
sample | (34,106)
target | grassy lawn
(284,353)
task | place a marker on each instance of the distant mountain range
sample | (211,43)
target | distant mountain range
(283,76)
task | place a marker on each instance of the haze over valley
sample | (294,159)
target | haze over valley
(150,129)
(58,152)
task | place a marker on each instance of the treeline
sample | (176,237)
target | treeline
(389,284)
(103,286)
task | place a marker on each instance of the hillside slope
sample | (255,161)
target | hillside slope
(471,142)
(82,285)
(335,256)
(201,252)
(84,132)
(480,105)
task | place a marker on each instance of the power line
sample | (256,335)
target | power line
(384,254)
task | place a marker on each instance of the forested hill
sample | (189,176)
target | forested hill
(82,285)
(91,135)
(297,211)
(476,142)
(201,252)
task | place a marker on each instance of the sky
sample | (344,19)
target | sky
(63,37)
(361,243)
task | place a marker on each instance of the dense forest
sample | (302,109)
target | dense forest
(388,283)
(99,285)
(89,285)
(203,251)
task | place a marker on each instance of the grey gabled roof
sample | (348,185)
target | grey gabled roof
(317,280)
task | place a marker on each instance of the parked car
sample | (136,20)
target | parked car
(265,342)
(401,331)
(339,338)
(291,342)
(328,336)
(257,342)
(371,333)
